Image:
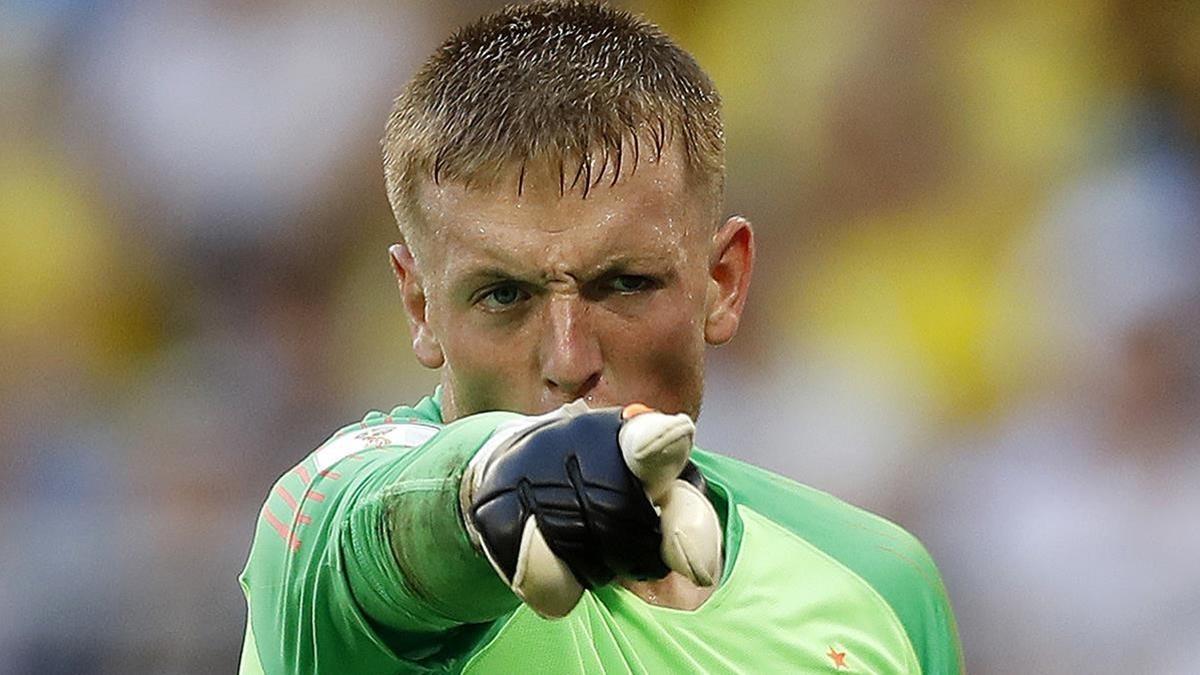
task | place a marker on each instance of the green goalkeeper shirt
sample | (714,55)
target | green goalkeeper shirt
(360,564)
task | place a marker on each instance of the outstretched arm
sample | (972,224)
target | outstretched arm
(382,567)
(360,561)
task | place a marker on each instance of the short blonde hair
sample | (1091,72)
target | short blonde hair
(567,84)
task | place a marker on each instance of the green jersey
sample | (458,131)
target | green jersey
(360,564)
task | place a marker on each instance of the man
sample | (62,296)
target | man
(557,173)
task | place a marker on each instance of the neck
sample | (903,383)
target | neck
(674,590)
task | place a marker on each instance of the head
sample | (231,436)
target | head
(557,172)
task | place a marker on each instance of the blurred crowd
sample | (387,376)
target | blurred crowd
(976,312)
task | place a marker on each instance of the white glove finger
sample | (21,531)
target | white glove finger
(541,579)
(656,447)
(692,536)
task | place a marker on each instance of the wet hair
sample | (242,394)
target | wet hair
(578,88)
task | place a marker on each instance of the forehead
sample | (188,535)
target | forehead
(649,213)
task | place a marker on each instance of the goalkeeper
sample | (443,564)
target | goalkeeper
(557,172)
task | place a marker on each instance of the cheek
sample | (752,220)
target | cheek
(660,360)
(485,365)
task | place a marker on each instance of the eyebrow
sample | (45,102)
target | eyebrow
(492,272)
(487,274)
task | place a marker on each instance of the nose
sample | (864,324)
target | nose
(571,357)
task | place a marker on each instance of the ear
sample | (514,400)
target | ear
(729,270)
(412,294)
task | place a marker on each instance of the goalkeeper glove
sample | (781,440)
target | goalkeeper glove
(576,497)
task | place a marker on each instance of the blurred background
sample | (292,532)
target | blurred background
(976,312)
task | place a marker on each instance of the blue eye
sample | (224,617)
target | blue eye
(631,283)
(502,297)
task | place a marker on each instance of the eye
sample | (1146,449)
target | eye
(631,283)
(500,298)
